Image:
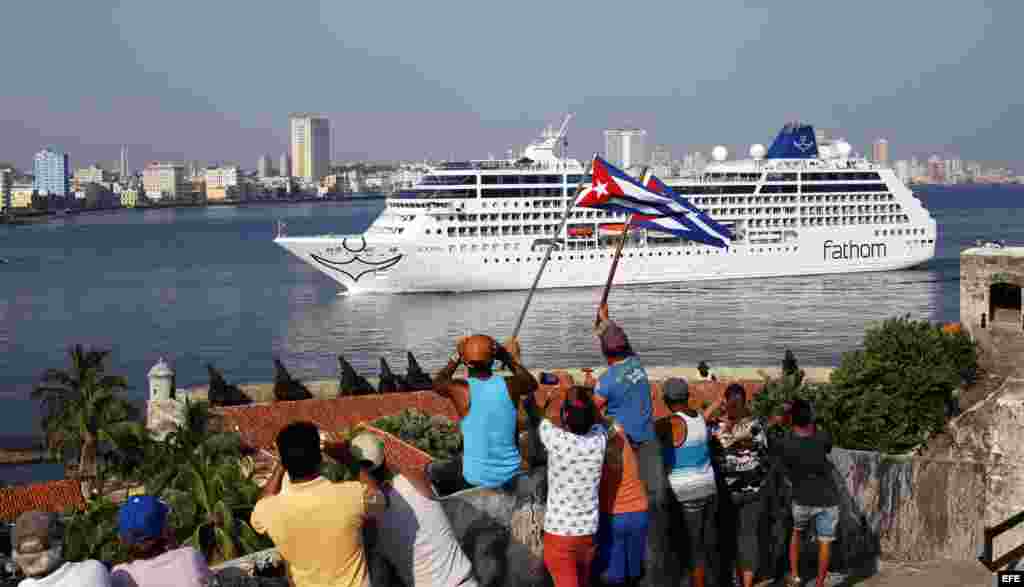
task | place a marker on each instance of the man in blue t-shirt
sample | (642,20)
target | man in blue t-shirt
(624,393)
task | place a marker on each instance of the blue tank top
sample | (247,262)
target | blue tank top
(490,454)
(693,454)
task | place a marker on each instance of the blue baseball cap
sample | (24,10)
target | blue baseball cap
(142,517)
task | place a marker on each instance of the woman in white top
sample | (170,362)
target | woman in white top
(684,440)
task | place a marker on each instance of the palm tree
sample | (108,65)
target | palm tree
(197,469)
(81,408)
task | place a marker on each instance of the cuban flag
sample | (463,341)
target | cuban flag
(664,211)
(708,231)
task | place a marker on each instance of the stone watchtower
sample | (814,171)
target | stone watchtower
(991,277)
(163,409)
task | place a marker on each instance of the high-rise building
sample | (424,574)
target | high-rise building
(52,173)
(6,179)
(624,147)
(123,168)
(880,152)
(163,180)
(936,169)
(310,146)
(661,161)
(285,165)
(263,166)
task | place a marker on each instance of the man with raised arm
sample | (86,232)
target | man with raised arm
(488,406)
(317,525)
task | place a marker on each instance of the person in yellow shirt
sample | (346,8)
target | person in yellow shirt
(317,525)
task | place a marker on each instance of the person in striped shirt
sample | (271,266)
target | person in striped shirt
(684,440)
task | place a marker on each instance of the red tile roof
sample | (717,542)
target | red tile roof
(53,496)
(258,424)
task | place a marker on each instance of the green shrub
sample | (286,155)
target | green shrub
(435,435)
(91,533)
(889,395)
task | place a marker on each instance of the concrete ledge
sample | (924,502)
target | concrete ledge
(328,388)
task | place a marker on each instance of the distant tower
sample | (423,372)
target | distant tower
(51,172)
(124,163)
(263,166)
(880,152)
(161,381)
(624,147)
(310,139)
(285,167)
(163,410)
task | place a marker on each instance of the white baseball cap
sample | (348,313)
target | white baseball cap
(367,447)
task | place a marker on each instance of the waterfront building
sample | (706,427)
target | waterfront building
(123,167)
(222,183)
(51,170)
(954,170)
(92,174)
(880,152)
(310,146)
(6,179)
(21,194)
(131,198)
(624,147)
(166,181)
(284,166)
(263,166)
(902,168)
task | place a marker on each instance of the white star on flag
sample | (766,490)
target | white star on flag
(601,188)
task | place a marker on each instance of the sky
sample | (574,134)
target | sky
(215,81)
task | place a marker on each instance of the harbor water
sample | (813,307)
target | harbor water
(207,285)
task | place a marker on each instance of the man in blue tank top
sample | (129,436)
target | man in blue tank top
(488,406)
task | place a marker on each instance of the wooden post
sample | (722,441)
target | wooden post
(547,254)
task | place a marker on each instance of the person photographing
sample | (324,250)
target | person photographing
(487,405)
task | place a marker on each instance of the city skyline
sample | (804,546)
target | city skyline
(406,89)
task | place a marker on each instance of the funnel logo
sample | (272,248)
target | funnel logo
(803,144)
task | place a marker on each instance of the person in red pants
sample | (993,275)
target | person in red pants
(575,438)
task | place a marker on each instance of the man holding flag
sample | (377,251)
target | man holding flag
(624,391)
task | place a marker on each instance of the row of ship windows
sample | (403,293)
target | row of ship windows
(899,232)
(512,179)
(519,178)
(805,199)
(836,221)
(530,216)
(688,191)
(678,253)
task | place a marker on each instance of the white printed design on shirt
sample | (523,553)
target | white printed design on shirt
(574,477)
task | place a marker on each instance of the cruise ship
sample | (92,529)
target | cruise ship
(794,208)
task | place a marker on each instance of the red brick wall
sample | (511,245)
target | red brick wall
(55,496)
(258,424)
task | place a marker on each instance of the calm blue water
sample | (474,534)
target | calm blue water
(208,285)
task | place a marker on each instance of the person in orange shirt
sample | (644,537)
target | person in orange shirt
(622,530)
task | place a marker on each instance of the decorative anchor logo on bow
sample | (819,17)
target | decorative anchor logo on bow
(803,144)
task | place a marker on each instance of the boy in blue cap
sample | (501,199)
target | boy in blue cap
(156,562)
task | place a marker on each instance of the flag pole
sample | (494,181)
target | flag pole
(547,253)
(615,259)
(618,255)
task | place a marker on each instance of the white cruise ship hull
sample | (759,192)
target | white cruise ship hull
(395,267)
